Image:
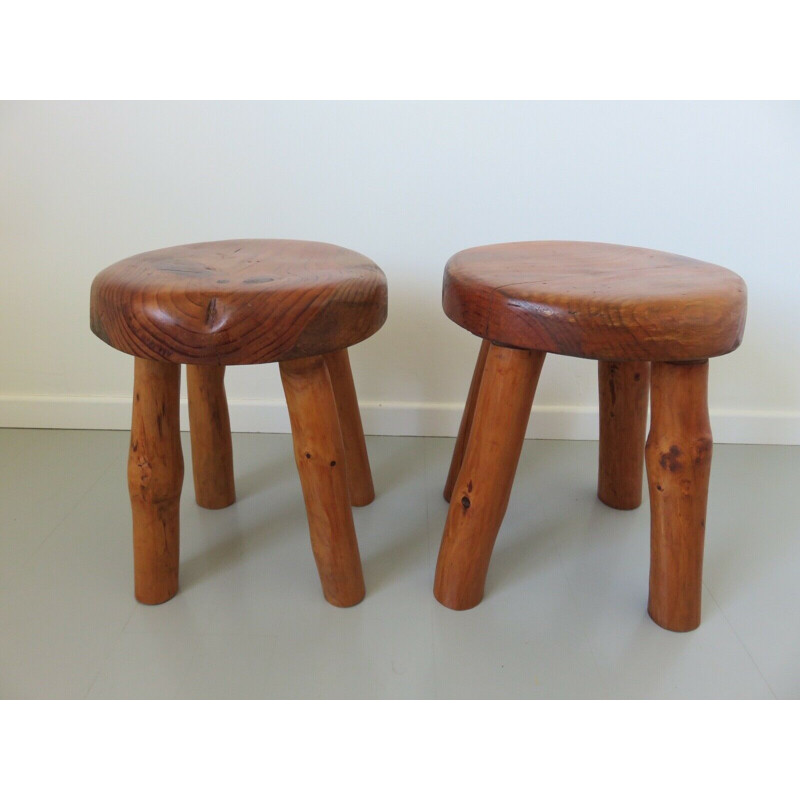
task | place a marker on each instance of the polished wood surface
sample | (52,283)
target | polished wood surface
(678,457)
(210,427)
(321,462)
(246,301)
(481,491)
(466,422)
(359,475)
(623,388)
(596,300)
(155,478)
(651,319)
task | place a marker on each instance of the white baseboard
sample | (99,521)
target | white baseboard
(388,419)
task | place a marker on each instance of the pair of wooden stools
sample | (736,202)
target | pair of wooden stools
(304,303)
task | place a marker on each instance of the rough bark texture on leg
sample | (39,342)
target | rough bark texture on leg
(466,421)
(483,486)
(359,475)
(678,457)
(210,427)
(155,477)
(321,463)
(623,389)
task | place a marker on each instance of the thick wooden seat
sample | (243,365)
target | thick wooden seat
(652,320)
(242,301)
(602,301)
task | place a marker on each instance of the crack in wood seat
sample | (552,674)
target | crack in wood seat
(652,320)
(247,301)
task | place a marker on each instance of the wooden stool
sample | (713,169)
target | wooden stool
(625,307)
(242,302)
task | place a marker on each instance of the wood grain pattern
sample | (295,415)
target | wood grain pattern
(626,307)
(481,492)
(678,457)
(624,387)
(321,462)
(466,422)
(247,301)
(596,301)
(359,475)
(155,478)
(210,427)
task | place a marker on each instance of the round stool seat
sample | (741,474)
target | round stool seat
(243,301)
(593,300)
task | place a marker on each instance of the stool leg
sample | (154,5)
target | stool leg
(678,457)
(359,475)
(210,427)
(321,462)
(155,477)
(466,422)
(623,389)
(483,486)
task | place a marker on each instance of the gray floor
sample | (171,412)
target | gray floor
(564,614)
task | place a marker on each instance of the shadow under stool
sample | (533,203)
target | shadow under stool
(247,301)
(652,320)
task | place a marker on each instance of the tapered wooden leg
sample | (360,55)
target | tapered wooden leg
(359,475)
(155,477)
(321,461)
(466,422)
(483,486)
(210,426)
(623,389)
(678,457)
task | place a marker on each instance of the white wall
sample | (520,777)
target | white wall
(85,184)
